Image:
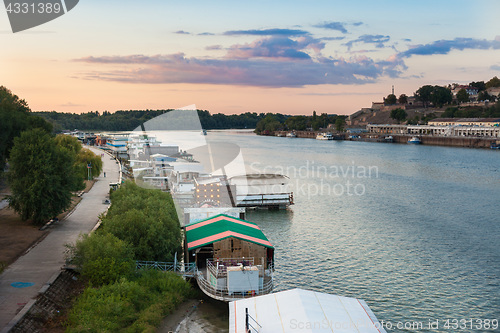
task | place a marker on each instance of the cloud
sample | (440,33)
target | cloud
(277,47)
(182,32)
(268,32)
(495,67)
(332,38)
(445,46)
(70,105)
(339,26)
(206,34)
(213,47)
(378,40)
(177,68)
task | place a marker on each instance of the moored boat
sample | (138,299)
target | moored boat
(324,136)
(233,257)
(415,140)
(291,135)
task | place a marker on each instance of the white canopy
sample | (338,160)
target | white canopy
(300,310)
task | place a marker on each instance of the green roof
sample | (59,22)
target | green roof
(223,226)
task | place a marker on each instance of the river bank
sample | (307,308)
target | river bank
(445,141)
(203,315)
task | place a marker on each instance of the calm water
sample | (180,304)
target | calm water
(412,230)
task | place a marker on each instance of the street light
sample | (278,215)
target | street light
(89,170)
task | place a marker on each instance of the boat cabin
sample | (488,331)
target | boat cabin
(233,257)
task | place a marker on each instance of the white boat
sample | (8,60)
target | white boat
(414,140)
(291,135)
(324,136)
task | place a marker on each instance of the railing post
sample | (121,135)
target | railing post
(247,329)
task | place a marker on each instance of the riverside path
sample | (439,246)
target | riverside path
(21,281)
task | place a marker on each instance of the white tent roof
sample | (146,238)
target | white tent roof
(300,310)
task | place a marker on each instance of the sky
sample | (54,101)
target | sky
(292,57)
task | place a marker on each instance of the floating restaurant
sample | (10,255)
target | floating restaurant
(233,257)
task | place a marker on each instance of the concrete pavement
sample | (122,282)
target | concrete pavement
(22,280)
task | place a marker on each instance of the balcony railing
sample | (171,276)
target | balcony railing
(218,269)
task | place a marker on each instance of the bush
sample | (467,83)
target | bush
(147,220)
(131,306)
(102,258)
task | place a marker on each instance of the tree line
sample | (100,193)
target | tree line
(273,122)
(131,119)
(44,169)
(492,111)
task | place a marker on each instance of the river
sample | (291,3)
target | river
(413,230)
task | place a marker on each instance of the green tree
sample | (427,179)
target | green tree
(83,157)
(41,176)
(15,117)
(462,96)
(441,96)
(145,219)
(269,123)
(69,142)
(86,157)
(424,93)
(494,82)
(102,258)
(391,99)
(480,85)
(398,114)
(403,99)
(339,124)
(450,112)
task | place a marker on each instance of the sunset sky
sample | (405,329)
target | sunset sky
(247,56)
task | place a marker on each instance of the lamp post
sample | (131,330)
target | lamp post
(89,171)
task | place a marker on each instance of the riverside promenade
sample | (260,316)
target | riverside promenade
(21,281)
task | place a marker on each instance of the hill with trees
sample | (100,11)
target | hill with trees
(474,100)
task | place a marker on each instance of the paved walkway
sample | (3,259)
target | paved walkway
(22,280)
(4,203)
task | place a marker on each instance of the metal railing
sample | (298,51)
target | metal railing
(248,326)
(188,269)
(218,267)
(222,293)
